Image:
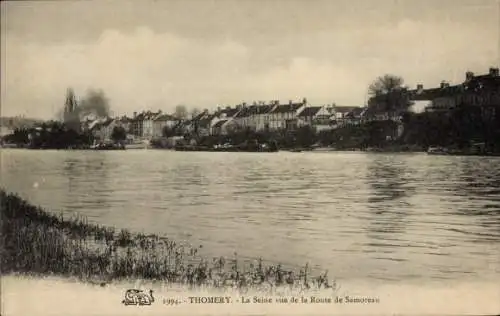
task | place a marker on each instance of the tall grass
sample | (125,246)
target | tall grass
(34,241)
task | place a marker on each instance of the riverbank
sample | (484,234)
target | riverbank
(38,243)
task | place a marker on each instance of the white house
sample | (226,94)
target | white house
(228,114)
(103,129)
(223,127)
(205,124)
(318,117)
(256,116)
(348,115)
(243,117)
(284,116)
(5,130)
(262,116)
(147,125)
(201,124)
(142,124)
(160,122)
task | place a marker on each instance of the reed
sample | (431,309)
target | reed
(37,242)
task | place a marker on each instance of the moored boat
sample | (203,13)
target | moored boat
(436,150)
(104,146)
(230,148)
(473,150)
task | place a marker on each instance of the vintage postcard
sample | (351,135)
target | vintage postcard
(250,157)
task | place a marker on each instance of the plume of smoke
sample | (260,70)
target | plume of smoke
(95,103)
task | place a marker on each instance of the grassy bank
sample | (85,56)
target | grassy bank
(36,242)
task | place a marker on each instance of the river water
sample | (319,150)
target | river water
(377,218)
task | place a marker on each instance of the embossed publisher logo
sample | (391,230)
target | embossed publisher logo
(138,297)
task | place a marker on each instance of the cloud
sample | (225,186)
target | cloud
(144,69)
(137,70)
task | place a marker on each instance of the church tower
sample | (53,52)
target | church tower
(70,104)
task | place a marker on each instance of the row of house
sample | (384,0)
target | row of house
(476,90)
(273,116)
(260,116)
(481,91)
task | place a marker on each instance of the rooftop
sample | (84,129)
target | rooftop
(148,115)
(347,109)
(165,117)
(247,111)
(472,84)
(228,112)
(200,116)
(286,108)
(205,121)
(220,123)
(310,111)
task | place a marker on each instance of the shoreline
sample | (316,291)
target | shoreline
(37,243)
(290,150)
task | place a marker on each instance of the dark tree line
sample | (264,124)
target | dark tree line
(119,134)
(52,135)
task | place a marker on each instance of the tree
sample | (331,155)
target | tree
(385,84)
(181,112)
(168,131)
(118,134)
(388,94)
(306,136)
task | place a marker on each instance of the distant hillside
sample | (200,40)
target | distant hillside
(16,122)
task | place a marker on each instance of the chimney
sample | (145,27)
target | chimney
(420,87)
(494,72)
(244,104)
(290,102)
(469,75)
(444,84)
(135,114)
(304,101)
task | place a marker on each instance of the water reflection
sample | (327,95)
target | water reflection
(479,179)
(388,177)
(388,201)
(88,181)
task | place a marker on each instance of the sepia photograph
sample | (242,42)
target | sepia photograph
(250,157)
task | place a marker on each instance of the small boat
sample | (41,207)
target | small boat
(436,150)
(229,148)
(103,146)
(323,149)
(9,145)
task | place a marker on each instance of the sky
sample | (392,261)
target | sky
(154,55)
